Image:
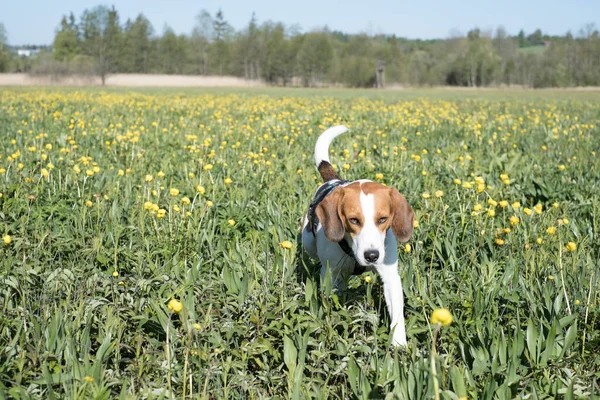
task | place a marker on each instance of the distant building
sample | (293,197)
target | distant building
(27,52)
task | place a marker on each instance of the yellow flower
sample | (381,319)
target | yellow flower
(88,379)
(457,181)
(174,192)
(499,242)
(148,205)
(208,167)
(197,326)
(565,221)
(555,205)
(175,305)
(148,178)
(7,239)
(577,302)
(227,181)
(539,240)
(477,207)
(550,277)
(379,176)
(368,278)
(185,200)
(491,212)
(538,209)
(88,203)
(467,185)
(407,248)
(88,172)
(571,246)
(346,166)
(121,172)
(492,202)
(503,177)
(551,230)
(200,189)
(527,211)
(96,169)
(503,203)
(426,195)
(561,167)
(161,213)
(415,224)
(516,205)
(45,173)
(441,316)
(231,222)
(514,220)
(506,181)
(438,193)
(286,244)
(115,274)
(161,174)
(209,204)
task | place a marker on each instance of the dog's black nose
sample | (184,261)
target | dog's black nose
(371,255)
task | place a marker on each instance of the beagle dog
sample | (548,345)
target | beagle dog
(353,226)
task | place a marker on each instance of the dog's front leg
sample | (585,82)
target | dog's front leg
(394,299)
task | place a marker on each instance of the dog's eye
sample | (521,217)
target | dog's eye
(354,221)
(382,220)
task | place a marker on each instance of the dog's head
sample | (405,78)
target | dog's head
(366,210)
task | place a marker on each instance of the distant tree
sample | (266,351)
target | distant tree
(66,42)
(535,39)
(101,39)
(315,58)
(4,56)
(221,34)
(521,39)
(199,48)
(172,50)
(137,46)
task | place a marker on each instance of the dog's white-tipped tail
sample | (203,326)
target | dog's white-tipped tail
(323,142)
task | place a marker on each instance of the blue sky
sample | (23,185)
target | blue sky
(35,21)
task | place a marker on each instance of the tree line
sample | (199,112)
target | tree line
(100,43)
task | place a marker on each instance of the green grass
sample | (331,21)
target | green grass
(92,262)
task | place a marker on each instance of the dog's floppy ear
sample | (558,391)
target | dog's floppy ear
(329,216)
(403,219)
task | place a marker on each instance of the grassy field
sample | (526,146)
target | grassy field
(149,245)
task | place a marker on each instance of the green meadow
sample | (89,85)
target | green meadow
(150,245)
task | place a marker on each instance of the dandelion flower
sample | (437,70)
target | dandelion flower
(175,305)
(286,244)
(441,316)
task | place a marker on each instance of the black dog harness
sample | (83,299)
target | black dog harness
(320,195)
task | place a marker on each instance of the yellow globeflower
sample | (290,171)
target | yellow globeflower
(571,246)
(539,240)
(426,195)
(208,167)
(514,220)
(457,181)
(503,203)
(441,316)
(45,173)
(88,172)
(227,181)
(121,172)
(527,211)
(516,205)
(231,222)
(551,230)
(88,203)
(438,193)
(379,176)
(209,204)
(185,200)
(407,248)
(175,305)
(7,239)
(491,212)
(286,244)
(174,192)
(499,242)
(200,189)
(148,178)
